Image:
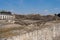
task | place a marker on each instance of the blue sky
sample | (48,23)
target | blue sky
(31,6)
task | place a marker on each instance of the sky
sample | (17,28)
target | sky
(31,6)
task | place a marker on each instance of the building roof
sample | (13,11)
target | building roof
(5,13)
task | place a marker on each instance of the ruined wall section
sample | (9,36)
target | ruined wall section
(49,33)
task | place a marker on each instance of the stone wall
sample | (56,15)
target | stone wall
(48,33)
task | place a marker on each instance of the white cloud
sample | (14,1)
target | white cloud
(56,8)
(45,10)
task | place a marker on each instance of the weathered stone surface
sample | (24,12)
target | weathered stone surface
(50,31)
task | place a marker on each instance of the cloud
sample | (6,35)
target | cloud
(45,10)
(51,11)
(48,11)
(56,8)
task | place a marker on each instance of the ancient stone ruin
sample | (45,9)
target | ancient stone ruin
(31,27)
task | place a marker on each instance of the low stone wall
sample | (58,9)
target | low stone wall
(48,33)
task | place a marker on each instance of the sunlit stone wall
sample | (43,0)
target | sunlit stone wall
(48,33)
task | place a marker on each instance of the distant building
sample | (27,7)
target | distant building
(6,15)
